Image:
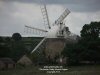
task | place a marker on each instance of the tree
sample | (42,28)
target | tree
(17,50)
(16,36)
(18,47)
(90,35)
(8,39)
(87,48)
(4,47)
(73,52)
(1,39)
(91,31)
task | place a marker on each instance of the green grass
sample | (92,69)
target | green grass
(73,70)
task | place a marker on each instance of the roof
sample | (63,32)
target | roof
(7,60)
(24,60)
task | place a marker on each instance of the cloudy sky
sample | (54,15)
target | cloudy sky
(14,14)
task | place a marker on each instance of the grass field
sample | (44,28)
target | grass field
(72,70)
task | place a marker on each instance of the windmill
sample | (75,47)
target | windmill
(56,30)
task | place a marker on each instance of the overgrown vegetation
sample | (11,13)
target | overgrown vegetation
(87,48)
(16,46)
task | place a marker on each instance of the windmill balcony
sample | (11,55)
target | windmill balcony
(60,35)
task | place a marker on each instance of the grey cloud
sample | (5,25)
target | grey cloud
(74,5)
(57,1)
(83,8)
(10,24)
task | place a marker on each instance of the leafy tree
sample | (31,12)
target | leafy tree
(4,51)
(73,52)
(1,39)
(17,50)
(4,48)
(91,31)
(87,48)
(16,36)
(90,34)
(7,39)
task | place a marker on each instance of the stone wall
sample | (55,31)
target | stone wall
(54,46)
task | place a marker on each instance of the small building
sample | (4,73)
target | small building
(6,63)
(24,60)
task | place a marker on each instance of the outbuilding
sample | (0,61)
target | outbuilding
(6,63)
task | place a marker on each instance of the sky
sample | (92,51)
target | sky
(15,14)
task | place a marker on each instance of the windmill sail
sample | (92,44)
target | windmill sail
(62,17)
(34,30)
(39,45)
(45,16)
